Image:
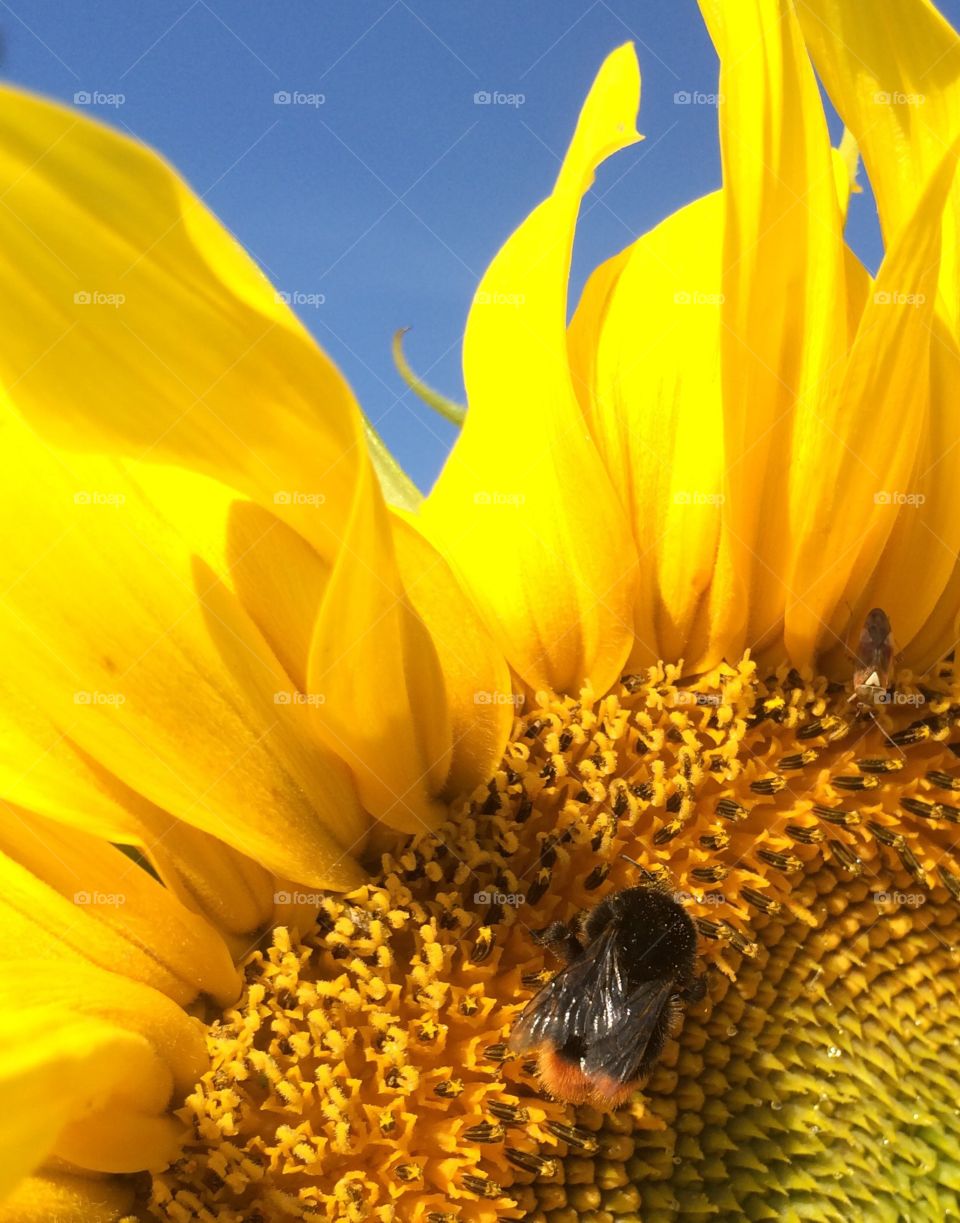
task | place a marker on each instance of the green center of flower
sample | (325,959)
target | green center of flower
(365,1072)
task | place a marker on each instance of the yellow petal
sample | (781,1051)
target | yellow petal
(524,510)
(68,1198)
(73,1044)
(479,691)
(375,705)
(846,163)
(280,580)
(136,324)
(586,326)
(784,309)
(143,329)
(91,925)
(941,627)
(52,1074)
(42,769)
(165,945)
(233,893)
(655,414)
(882,404)
(118,621)
(937,523)
(375,672)
(912,575)
(295,907)
(892,69)
(893,72)
(120,1138)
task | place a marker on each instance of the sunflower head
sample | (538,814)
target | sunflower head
(369,1064)
(296,779)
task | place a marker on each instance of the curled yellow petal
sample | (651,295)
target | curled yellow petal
(159,337)
(76,1044)
(374,670)
(280,580)
(477,680)
(524,509)
(119,622)
(50,1075)
(90,896)
(42,769)
(231,891)
(784,305)
(657,416)
(155,336)
(892,69)
(860,487)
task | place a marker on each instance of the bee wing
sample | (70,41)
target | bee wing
(620,1049)
(579,1001)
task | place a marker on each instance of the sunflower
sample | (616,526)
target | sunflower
(294,762)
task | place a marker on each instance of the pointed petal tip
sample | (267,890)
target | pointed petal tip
(619,75)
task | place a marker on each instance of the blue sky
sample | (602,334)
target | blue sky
(381,200)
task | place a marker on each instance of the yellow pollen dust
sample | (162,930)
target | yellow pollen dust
(365,1073)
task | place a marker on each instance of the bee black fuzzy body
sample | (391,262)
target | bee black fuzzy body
(599,1025)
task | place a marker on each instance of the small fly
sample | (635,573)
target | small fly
(872,675)
(874,658)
